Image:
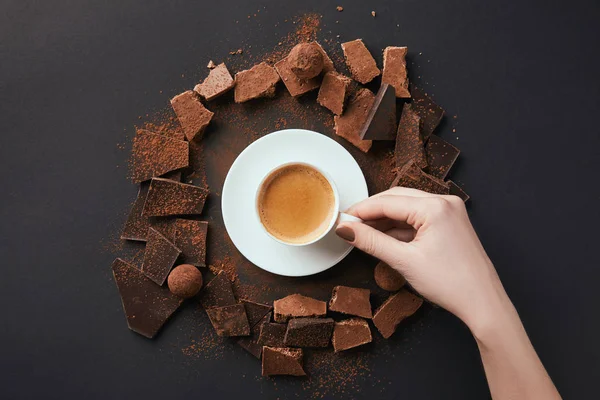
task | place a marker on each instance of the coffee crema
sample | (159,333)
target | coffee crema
(296,204)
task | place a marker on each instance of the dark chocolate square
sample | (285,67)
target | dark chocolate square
(309,332)
(441,156)
(154,155)
(272,334)
(411,176)
(458,191)
(430,113)
(381,120)
(409,143)
(159,257)
(217,293)
(229,320)
(190,238)
(166,197)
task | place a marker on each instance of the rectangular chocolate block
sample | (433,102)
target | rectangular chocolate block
(349,125)
(380,123)
(166,197)
(159,257)
(258,81)
(192,115)
(412,176)
(351,333)
(229,320)
(297,306)
(190,238)
(153,155)
(360,62)
(430,113)
(295,85)
(457,191)
(217,293)
(333,92)
(353,301)
(136,226)
(394,310)
(409,143)
(394,70)
(309,332)
(272,334)
(217,83)
(282,361)
(441,156)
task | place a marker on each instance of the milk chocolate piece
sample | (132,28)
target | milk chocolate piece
(136,226)
(218,82)
(147,306)
(409,144)
(154,155)
(229,320)
(457,191)
(395,309)
(192,115)
(348,125)
(353,301)
(217,293)
(394,70)
(250,343)
(441,156)
(296,86)
(327,63)
(159,257)
(333,92)
(351,333)
(190,238)
(412,176)
(296,305)
(166,197)
(282,361)
(381,120)
(272,334)
(256,311)
(309,332)
(360,62)
(258,81)
(430,113)
(388,278)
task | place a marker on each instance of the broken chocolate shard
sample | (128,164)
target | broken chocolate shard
(147,306)
(217,293)
(388,278)
(394,310)
(190,238)
(272,334)
(159,257)
(217,83)
(430,113)
(258,81)
(192,115)
(411,176)
(250,343)
(333,92)
(457,191)
(381,120)
(309,332)
(296,306)
(282,361)
(353,301)
(409,143)
(348,125)
(166,197)
(256,311)
(360,62)
(154,155)
(394,70)
(351,333)
(295,85)
(441,156)
(136,226)
(229,320)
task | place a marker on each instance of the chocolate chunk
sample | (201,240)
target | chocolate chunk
(381,120)
(258,81)
(388,278)
(351,333)
(229,320)
(394,70)
(166,197)
(296,86)
(296,305)
(409,144)
(250,343)
(282,361)
(394,310)
(136,226)
(327,63)
(333,92)
(190,238)
(159,257)
(430,113)
(147,306)
(360,62)
(154,155)
(457,191)
(164,225)
(412,176)
(256,311)
(272,334)
(309,332)
(353,301)
(441,156)
(217,293)
(305,61)
(218,82)
(348,125)
(192,115)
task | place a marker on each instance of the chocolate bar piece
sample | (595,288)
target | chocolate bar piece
(217,293)
(409,144)
(296,306)
(351,333)
(295,85)
(333,92)
(147,306)
(192,115)
(412,176)
(394,310)
(388,278)
(229,320)
(360,62)
(159,257)
(272,334)
(190,238)
(381,120)
(457,191)
(394,70)
(430,113)
(218,82)
(353,301)
(348,125)
(250,343)
(258,81)
(309,332)
(136,226)
(282,361)
(154,155)
(166,197)
(441,156)
(256,311)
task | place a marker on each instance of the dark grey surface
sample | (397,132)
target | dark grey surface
(74,77)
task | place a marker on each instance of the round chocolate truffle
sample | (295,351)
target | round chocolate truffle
(388,278)
(306,61)
(185,281)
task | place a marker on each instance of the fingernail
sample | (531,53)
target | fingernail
(345,232)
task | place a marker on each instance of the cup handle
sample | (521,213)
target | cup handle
(343,217)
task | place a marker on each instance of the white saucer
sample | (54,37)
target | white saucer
(239,191)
